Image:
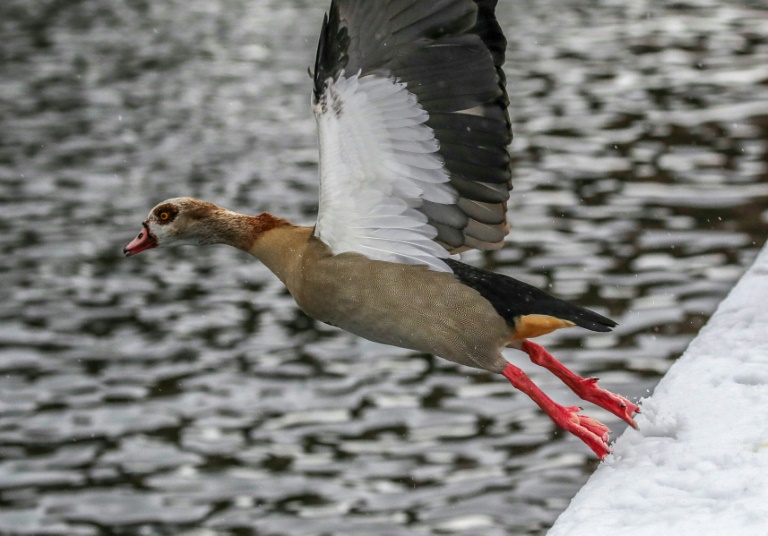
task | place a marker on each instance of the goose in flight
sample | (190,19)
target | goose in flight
(411,109)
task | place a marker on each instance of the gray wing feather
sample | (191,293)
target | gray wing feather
(450,54)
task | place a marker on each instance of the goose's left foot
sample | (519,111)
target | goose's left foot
(585,388)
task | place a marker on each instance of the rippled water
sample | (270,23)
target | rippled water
(182,392)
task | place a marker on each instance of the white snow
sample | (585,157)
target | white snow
(698,465)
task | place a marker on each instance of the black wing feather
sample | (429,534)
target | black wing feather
(331,57)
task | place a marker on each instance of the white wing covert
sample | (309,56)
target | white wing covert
(378,162)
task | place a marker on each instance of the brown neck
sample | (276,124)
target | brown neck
(276,242)
(239,230)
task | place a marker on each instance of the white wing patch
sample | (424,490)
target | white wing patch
(378,163)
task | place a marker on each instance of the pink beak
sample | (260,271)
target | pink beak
(144,241)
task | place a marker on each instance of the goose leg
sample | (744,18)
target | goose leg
(585,388)
(590,431)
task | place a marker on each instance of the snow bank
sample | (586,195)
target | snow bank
(698,465)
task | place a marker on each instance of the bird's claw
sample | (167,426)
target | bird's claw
(591,431)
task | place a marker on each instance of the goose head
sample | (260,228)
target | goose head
(181,220)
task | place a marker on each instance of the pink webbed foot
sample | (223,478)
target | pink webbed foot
(585,388)
(588,390)
(590,431)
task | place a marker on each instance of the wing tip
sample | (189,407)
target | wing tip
(331,56)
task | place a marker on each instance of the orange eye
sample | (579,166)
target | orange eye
(164,216)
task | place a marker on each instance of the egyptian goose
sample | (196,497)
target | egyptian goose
(411,108)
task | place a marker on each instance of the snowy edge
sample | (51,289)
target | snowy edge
(698,464)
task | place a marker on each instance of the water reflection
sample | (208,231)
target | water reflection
(185,394)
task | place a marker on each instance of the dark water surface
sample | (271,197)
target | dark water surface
(182,392)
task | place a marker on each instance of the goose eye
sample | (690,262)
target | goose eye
(164,216)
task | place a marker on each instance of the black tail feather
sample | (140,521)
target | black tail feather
(512,298)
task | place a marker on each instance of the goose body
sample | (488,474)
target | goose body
(410,103)
(402,305)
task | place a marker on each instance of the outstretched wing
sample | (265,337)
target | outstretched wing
(412,116)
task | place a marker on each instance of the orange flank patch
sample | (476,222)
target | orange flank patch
(529,326)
